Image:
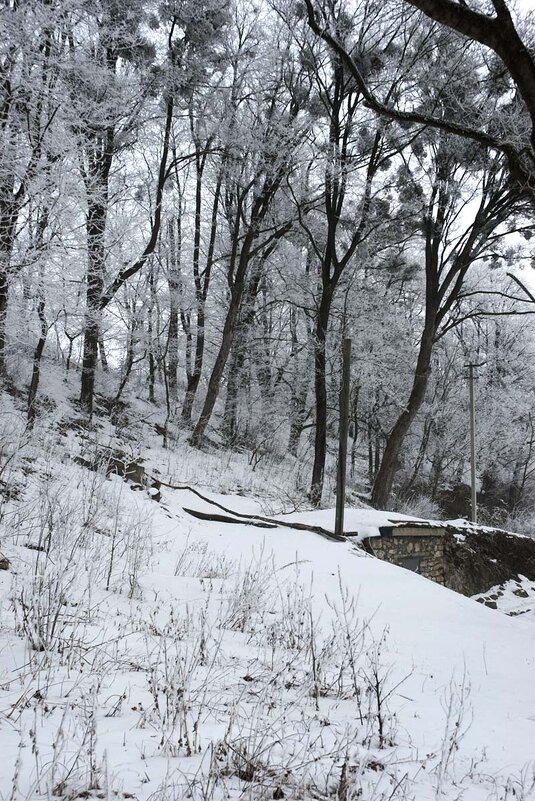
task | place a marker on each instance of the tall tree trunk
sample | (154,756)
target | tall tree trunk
(194,374)
(202,284)
(150,334)
(263,361)
(4,297)
(320,389)
(243,327)
(96,227)
(8,216)
(298,401)
(174,241)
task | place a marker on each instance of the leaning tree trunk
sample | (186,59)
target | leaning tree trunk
(382,487)
(238,291)
(212,392)
(36,369)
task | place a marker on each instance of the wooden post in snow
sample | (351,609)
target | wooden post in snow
(473,472)
(342,444)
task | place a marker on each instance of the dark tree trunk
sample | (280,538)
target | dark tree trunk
(355,429)
(194,375)
(202,285)
(235,373)
(152,368)
(4,296)
(172,349)
(320,387)
(371,469)
(418,462)
(298,401)
(174,241)
(96,227)
(298,418)
(129,362)
(150,336)
(237,292)
(230,415)
(263,361)
(8,217)
(219,365)
(102,351)
(36,370)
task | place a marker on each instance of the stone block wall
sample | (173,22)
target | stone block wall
(429,550)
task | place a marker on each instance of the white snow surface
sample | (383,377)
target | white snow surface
(218,663)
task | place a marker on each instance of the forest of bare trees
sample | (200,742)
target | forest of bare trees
(199,199)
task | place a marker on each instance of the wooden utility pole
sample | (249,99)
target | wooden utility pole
(342,444)
(473,478)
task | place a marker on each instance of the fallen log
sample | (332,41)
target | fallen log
(215,518)
(238,517)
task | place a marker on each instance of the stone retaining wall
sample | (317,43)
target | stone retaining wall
(429,550)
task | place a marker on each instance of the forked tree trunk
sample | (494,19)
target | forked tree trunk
(202,284)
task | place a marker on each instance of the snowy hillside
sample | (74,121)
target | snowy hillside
(148,654)
(252,255)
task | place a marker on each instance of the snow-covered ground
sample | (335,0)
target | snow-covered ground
(148,654)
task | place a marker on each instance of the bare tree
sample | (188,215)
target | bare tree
(252,181)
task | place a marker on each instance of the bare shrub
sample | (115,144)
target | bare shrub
(247,600)
(197,561)
(181,658)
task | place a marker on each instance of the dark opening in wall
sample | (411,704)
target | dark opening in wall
(410,563)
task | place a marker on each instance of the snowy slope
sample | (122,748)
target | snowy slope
(225,660)
(434,633)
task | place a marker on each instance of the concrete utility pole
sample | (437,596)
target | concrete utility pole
(473,438)
(343,431)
